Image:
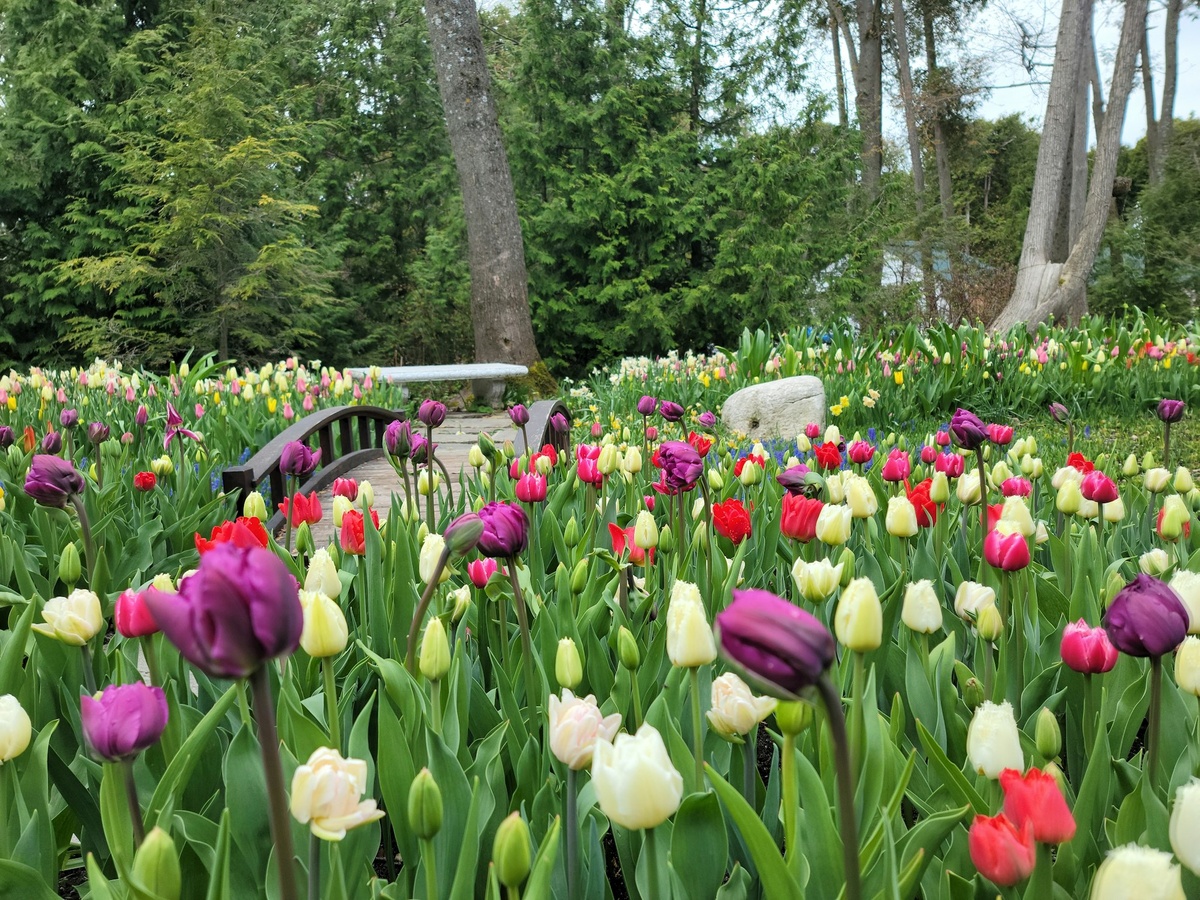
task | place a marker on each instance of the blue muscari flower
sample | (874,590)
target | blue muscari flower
(1087,431)
(215,482)
(245,455)
(871,435)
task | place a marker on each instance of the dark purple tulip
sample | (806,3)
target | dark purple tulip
(968,429)
(98,432)
(123,720)
(1146,618)
(69,418)
(708,419)
(1059,413)
(52,481)
(670,410)
(7,436)
(794,480)
(778,645)
(296,459)
(419,451)
(1171,410)
(681,465)
(239,609)
(52,442)
(519,414)
(432,413)
(559,423)
(397,438)
(142,416)
(505,530)
(463,533)
(647,405)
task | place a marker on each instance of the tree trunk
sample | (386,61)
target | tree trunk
(1079,158)
(835,9)
(1097,91)
(868,98)
(1036,273)
(1072,281)
(1153,144)
(496,251)
(839,77)
(1166,117)
(940,152)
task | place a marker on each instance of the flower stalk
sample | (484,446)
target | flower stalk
(845,787)
(268,739)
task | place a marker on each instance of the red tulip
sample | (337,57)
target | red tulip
(353,535)
(701,442)
(798,517)
(742,462)
(245,532)
(1002,853)
(1086,649)
(531,488)
(132,617)
(622,540)
(345,487)
(1078,461)
(1098,487)
(1035,798)
(731,520)
(145,481)
(1009,552)
(927,510)
(302,509)
(1000,435)
(829,458)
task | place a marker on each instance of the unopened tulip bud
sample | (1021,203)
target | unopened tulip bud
(1187,666)
(752,474)
(645,531)
(632,461)
(461,598)
(901,519)
(921,612)
(609,459)
(939,488)
(424,484)
(715,481)
(666,540)
(510,450)
(511,851)
(1130,467)
(325,630)
(434,659)
(69,567)
(858,621)
(463,534)
(846,561)
(156,866)
(1154,562)
(486,445)
(1148,461)
(571,533)
(793,716)
(993,743)
(16,729)
(627,649)
(1156,480)
(425,806)
(968,488)
(255,506)
(1114,586)
(475,457)
(305,545)
(568,667)
(579,577)
(690,641)
(430,561)
(972,693)
(1048,735)
(1183,480)
(1000,474)
(989,624)
(1069,498)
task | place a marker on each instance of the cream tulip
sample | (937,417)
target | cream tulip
(1069,499)
(15,728)
(1186,584)
(1187,665)
(971,597)
(325,631)
(993,743)
(431,552)
(74,619)
(1133,871)
(858,622)
(1185,825)
(1154,562)
(833,524)
(860,497)
(322,575)
(901,519)
(816,581)
(690,640)
(1016,511)
(1183,480)
(635,782)
(735,710)
(341,506)
(576,724)
(1065,474)
(1156,480)
(922,611)
(967,488)
(326,794)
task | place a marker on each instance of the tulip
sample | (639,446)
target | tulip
(1174,519)
(74,619)
(689,638)
(505,529)
(777,645)
(431,413)
(922,611)
(568,667)
(16,729)
(861,453)
(98,432)
(860,497)
(670,410)
(1002,852)
(1171,411)
(156,866)
(434,660)
(517,413)
(296,460)
(635,782)
(1059,413)
(731,519)
(144,481)
(794,478)
(939,488)
(1005,550)
(1185,825)
(52,481)
(326,792)
(576,724)
(1133,871)
(816,581)
(430,560)
(967,429)
(645,531)
(1154,562)
(1035,797)
(322,575)
(951,465)
(798,517)
(1017,515)
(897,468)
(681,465)
(301,509)
(425,807)
(1146,618)
(858,622)
(631,462)
(833,524)
(646,405)
(132,617)
(999,474)
(735,710)
(1000,435)
(511,853)
(993,743)
(123,720)
(1187,666)
(1183,480)
(255,506)
(901,519)
(1186,585)
(1086,649)
(51,443)
(1156,480)
(967,488)
(397,439)
(1098,487)
(239,609)
(325,631)
(480,571)
(971,597)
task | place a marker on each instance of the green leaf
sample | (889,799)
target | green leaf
(699,846)
(175,779)
(19,882)
(540,876)
(952,776)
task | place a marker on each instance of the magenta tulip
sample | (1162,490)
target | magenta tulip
(1086,649)
(778,645)
(505,529)
(123,720)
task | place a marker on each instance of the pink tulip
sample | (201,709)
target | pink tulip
(1008,552)
(1086,649)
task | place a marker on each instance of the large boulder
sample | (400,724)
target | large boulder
(776,409)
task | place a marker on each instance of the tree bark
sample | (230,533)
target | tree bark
(1036,273)
(839,77)
(940,151)
(1153,145)
(1166,117)
(835,9)
(1097,91)
(868,98)
(495,248)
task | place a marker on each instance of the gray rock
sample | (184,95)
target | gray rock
(776,409)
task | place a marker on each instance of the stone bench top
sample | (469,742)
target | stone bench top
(463,372)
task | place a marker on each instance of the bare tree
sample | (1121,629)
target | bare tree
(1159,128)
(496,251)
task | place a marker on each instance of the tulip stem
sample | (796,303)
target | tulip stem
(243,703)
(749,758)
(650,848)
(435,705)
(849,827)
(268,739)
(572,834)
(89,545)
(697,726)
(858,719)
(135,808)
(483,624)
(1041,884)
(429,861)
(982,492)
(89,677)
(331,704)
(1089,714)
(410,656)
(289,500)
(429,475)
(1167,445)
(1154,725)
(791,800)
(531,691)
(314,867)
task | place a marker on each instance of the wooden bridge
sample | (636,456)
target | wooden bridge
(351,442)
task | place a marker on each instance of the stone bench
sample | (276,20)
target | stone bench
(487,379)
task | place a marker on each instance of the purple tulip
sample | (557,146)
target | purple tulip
(142,416)
(559,423)
(1171,410)
(463,533)
(708,419)
(7,437)
(647,405)
(123,720)
(419,451)
(681,465)
(175,427)
(239,609)
(670,410)
(778,645)
(397,438)
(98,432)
(432,413)
(794,479)
(52,442)
(1146,618)
(505,530)
(519,414)
(69,418)
(1059,413)
(296,459)
(52,481)
(968,429)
